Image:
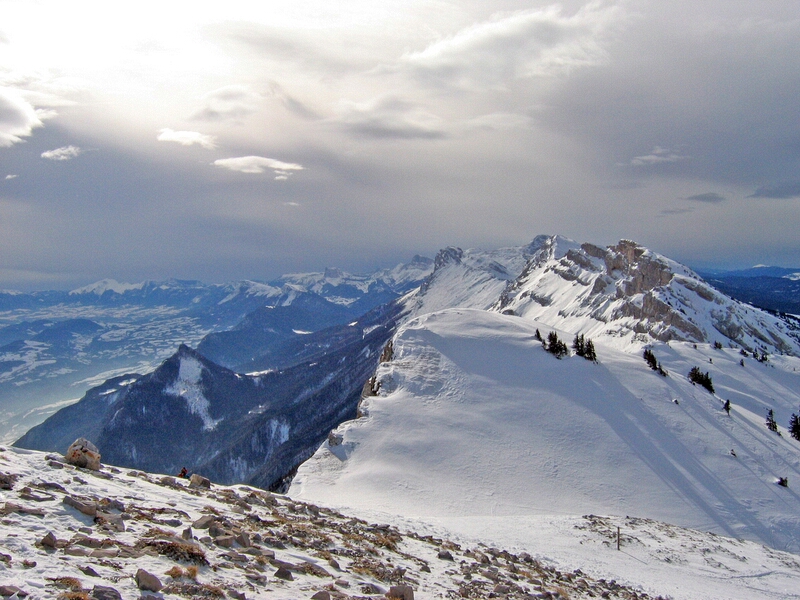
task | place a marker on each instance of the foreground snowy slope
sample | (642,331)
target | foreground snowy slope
(475,419)
(108,534)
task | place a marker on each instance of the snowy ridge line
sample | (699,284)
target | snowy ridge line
(476,427)
(638,296)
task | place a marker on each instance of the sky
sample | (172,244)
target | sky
(246,140)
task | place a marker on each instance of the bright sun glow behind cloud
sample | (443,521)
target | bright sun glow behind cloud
(416,123)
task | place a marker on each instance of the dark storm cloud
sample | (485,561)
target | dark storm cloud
(724,91)
(780,191)
(710,197)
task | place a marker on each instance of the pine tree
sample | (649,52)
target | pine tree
(538,336)
(794,426)
(589,353)
(727,406)
(771,424)
(650,359)
(555,346)
(579,345)
(704,379)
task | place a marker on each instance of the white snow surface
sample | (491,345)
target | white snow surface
(188,385)
(142,512)
(477,429)
(105,285)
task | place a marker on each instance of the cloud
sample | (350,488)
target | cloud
(292,104)
(500,121)
(300,49)
(11,177)
(780,191)
(528,43)
(389,117)
(657,156)
(18,118)
(187,138)
(711,197)
(257,164)
(231,102)
(675,211)
(63,153)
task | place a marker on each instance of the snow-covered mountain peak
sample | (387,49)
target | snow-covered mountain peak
(629,292)
(107,285)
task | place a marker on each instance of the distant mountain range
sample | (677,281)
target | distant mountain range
(56,345)
(771,288)
(286,386)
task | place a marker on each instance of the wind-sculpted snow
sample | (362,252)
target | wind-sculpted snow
(474,418)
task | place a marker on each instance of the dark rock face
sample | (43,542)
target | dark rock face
(232,428)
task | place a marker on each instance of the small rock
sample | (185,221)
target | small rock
(87,509)
(28,564)
(55,464)
(103,592)
(284,574)
(147,581)
(10,590)
(321,595)
(187,533)
(226,541)
(332,562)
(243,539)
(445,554)
(7,481)
(111,521)
(89,571)
(342,583)
(49,541)
(168,480)
(83,453)
(401,592)
(196,481)
(237,595)
(204,522)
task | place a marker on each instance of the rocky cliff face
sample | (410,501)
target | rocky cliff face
(630,292)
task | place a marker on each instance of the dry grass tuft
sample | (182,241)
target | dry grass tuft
(194,590)
(175,572)
(178,551)
(70,583)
